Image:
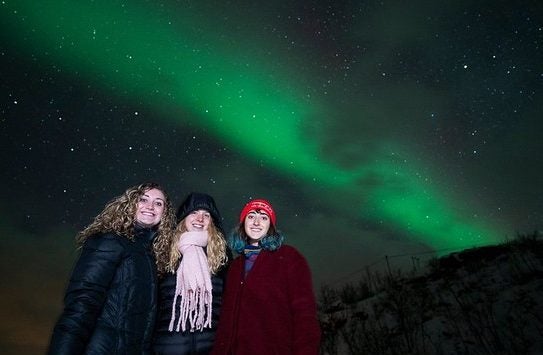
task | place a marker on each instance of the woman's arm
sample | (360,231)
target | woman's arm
(303,305)
(86,293)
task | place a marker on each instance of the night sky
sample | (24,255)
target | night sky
(373,127)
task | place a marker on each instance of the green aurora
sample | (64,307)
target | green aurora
(180,64)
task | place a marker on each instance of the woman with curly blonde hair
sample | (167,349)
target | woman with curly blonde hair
(192,267)
(110,302)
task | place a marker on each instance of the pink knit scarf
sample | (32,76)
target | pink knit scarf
(193,283)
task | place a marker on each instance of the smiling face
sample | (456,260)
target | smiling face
(197,220)
(256,224)
(150,208)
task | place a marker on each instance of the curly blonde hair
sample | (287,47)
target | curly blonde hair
(119,214)
(168,255)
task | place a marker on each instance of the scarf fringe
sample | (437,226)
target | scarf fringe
(193,286)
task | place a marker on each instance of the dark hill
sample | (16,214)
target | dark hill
(486,300)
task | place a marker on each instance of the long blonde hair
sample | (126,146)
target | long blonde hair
(118,216)
(168,255)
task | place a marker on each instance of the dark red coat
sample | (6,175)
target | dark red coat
(272,311)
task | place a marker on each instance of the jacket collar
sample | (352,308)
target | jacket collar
(145,234)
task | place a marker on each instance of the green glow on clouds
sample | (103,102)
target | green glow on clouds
(177,64)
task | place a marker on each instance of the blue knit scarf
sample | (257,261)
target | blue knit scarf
(250,252)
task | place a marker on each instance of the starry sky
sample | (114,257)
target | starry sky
(375,128)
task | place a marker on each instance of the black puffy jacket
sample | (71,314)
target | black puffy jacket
(185,343)
(110,303)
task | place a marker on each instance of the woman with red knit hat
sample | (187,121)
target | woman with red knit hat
(269,305)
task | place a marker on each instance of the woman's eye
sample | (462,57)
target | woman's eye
(159,204)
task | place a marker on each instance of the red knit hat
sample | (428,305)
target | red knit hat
(256,205)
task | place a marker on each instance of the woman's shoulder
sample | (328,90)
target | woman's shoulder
(106,241)
(287,248)
(289,251)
